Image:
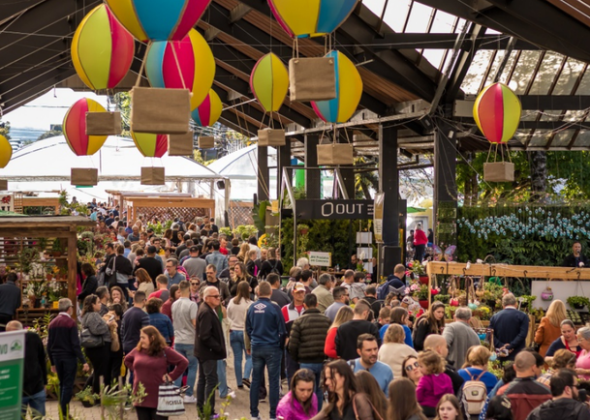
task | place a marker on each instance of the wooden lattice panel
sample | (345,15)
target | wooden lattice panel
(170,208)
(240,213)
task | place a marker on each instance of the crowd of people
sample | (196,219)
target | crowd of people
(170,309)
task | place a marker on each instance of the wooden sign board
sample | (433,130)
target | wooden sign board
(320,259)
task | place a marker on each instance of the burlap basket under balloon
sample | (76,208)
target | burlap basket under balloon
(312,79)
(181,144)
(151,175)
(103,123)
(206,142)
(85,177)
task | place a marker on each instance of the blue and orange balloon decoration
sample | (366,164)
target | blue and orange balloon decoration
(349,89)
(102,50)
(207,114)
(158,20)
(497,112)
(309,18)
(74,128)
(269,82)
(5,151)
(186,64)
(150,145)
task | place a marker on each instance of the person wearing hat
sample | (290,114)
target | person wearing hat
(295,309)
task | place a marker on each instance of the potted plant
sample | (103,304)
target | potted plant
(422,295)
(419,271)
(87,397)
(302,229)
(443,298)
(526,301)
(578,302)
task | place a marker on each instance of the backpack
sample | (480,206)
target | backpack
(475,393)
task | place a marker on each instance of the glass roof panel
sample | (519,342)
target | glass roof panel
(508,68)
(476,72)
(563,138)
(419,17)
(583,139)
(434,56)
(547,73)
(540,138)
(523,72)
(443,23)
(584,88)
(574,115)
(396,16)
(568,77)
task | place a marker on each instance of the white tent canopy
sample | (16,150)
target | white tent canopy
(45,166)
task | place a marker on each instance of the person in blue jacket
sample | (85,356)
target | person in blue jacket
(395,284)
(265,327)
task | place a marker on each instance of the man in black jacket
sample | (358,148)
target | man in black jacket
(209,346)
(307,339)
(511,328)
(348,333)
(576,259)
(151,264)
(564,405)
(10,299)
(35,374)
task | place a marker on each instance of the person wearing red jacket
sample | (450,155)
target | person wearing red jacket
(420,241)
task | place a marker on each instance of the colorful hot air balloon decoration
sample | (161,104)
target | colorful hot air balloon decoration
(308,18)
(158,20)
(5,151)
(497,112)
(207,114)
(102,50)
(74,128)
(349,88)
(151,145)
(195,61)
(269,82)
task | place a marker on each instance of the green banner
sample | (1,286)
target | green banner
(12,354)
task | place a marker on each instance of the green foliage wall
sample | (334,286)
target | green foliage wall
(335,236)
(523,235)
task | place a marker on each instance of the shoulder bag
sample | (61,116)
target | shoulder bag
(170,402)
(376,414)
(89,340)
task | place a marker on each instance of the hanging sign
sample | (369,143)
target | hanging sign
(378,217)
(320,259)
(12,354)
(334,209)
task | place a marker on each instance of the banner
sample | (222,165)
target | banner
(12,354)
(320,259)
(378,217)
(334,209)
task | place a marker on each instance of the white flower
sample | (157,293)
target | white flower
(581,264)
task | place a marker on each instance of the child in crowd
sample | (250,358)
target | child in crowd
(448,408)
(434,382)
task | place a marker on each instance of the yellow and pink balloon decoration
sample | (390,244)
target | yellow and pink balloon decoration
(158,20)
(497,112)
(349,89)
(186,64)
(74,128)
(5,151)
(151,145)
(207,114)
(102,50)
(308,18)
(269,82)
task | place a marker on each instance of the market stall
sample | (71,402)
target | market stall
(43,251)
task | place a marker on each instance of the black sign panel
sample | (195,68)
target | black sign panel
(335,209)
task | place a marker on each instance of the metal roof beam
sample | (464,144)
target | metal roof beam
(464,108)
(444,41)
(13,9)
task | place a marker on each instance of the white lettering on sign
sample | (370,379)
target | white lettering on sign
(329,209)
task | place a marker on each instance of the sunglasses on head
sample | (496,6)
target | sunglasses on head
(413,366)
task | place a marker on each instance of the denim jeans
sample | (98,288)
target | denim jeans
(271,358)
(36,402)
(188,351)
(316,368)
(222,377)
(66,373)
(236,339)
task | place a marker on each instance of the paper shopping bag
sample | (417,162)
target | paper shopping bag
(312,79)
(161,111)
(152,176)
(181,144)
(335,154)
(103,123)
(270,137)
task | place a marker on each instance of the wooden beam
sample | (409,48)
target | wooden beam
(72,269)
(506,270)
(25,232)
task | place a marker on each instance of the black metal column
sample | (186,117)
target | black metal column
(312,177)
(445,184)
(390,254)
(283,160)
(263,175)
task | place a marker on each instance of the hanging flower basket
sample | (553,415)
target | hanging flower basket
(423,304)
(423,279)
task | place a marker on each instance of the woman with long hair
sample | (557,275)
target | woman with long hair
(144,281)
(400,316)
(118,297)
(300,403)
(90,282)
(568,340)
(448,408)
(432,322)
(250,263)
(150,362)
(344,401)
(549,329)
(236,313)
(159,320)
(168,238)
(98,327)
(167,306)
(403,404)
(240,275)
(116,360)
(367,384)
(243,254)
(394,351)
(343,315)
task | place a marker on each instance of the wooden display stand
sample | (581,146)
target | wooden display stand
(20,232)
(44,202)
